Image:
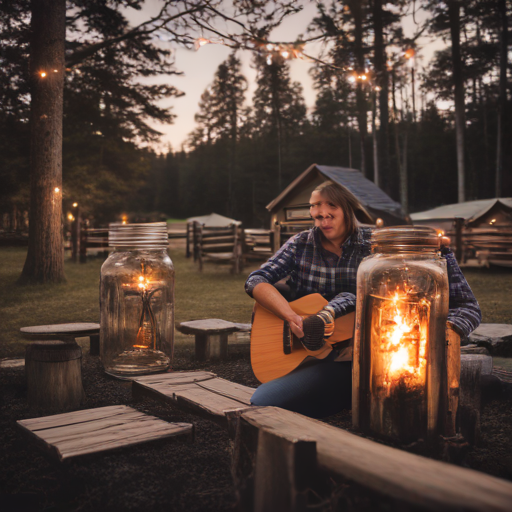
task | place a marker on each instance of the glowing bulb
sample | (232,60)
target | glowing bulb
(352,79)
(75,205)
(55,70)
(377,88)
(141,278)
(363,77)
(285,54)
(269,60)
(201,42)
(43,74)
(57,190)
(270,47)
(141,285)
(70,217)
(492,221)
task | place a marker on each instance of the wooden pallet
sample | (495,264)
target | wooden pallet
(70,435)
(198,392)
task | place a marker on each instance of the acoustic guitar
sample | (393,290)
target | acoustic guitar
(275,351)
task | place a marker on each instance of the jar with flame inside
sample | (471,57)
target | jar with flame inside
(137,301)
(400,370)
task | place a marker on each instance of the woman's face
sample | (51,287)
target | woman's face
(328,217)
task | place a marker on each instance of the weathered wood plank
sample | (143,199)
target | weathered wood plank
(84,432)
(72,417)
(416,480)
(208,326)
(73,329)
(177,378)
(211,398)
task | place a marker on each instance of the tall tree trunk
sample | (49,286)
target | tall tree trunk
(404,186)
(45,257)
(458,80)
(356,7)
(376,168)
(502,101)
(381,80)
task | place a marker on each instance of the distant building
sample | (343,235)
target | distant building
(290,209)
(480,231)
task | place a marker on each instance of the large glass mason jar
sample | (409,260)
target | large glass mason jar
(400,357)
(137,301)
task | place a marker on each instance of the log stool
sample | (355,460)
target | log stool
(54,376)
(66,332)
(211,337)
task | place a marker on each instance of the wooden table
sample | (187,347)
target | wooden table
(66,332)
(211,336)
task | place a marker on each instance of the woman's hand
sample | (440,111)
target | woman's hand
(295,322)
(267,295)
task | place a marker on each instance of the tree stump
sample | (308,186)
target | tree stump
(54,376)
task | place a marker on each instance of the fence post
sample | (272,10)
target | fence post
(459,250)
(83,241)
(75,239)
(189,231)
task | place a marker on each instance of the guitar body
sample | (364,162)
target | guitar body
(269,359)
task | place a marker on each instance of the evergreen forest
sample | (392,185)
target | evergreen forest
(376,110)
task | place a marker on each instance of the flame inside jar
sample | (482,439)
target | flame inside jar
(403,325)
(399,331)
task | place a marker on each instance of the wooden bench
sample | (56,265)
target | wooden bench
(279,455)
(66,332)
(218,244)
(198,392)
(211,336)
(258,244)
(70,435)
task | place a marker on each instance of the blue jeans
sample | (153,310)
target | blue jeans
(317,388)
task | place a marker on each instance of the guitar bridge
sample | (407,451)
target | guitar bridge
(290,341)
(287,338)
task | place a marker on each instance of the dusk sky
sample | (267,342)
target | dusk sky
(199,67)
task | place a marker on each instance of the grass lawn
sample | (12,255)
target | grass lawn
(214,293)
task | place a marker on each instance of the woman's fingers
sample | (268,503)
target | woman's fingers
(296,327)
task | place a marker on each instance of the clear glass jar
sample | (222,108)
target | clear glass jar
(137,301)
(399,368)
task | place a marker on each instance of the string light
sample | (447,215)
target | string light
(202,41)
(57,190)
(43,74)
(276,52)
(75,205)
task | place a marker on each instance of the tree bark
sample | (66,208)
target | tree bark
(356,7)
(381,79)
(45,257)
(458,81)
(502,102)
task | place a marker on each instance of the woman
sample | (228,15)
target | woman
(325,260)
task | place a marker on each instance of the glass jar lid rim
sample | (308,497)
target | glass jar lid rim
(399,236)
(150,235)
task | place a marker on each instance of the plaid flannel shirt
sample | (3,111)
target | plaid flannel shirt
(312,269)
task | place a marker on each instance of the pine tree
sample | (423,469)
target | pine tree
(279,114)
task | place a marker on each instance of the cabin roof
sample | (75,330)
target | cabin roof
(370,195)
(469,210)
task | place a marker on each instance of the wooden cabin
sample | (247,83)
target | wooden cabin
(481,231)
(290,209)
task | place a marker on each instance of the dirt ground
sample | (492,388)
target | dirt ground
(171,476)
